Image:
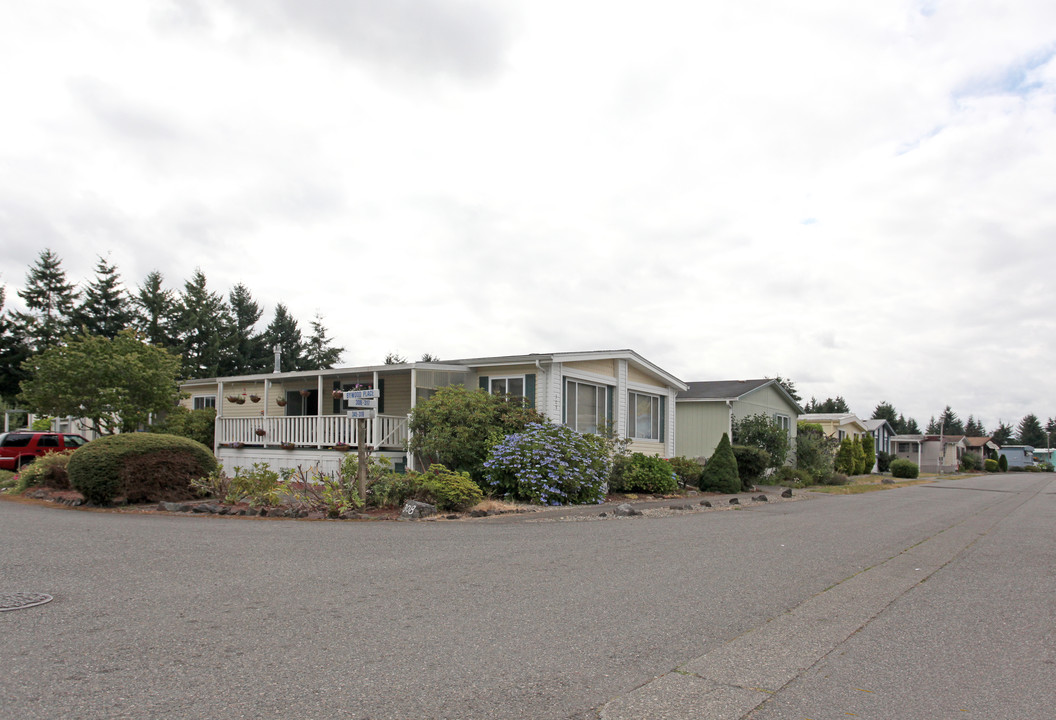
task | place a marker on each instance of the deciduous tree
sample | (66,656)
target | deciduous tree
(113,383)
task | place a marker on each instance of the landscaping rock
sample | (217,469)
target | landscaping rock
(604,514)
(705,503)
(206,508)
(173,507)
(734,501)
(761,498)
(887,481)
(353,515)
(787,493)
(625,510)
(316,515)
(415,510)
(478,513)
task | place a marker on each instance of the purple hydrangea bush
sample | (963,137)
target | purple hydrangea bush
(549,464)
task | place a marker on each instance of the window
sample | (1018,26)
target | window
(51,441)
(783,421)
(72,441)
(904,447)
(644,416)
(587,406)
(507,386)
(201,402)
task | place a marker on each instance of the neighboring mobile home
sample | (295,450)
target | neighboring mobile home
(1018,455)
(298,418)
(706,410)
(837,425)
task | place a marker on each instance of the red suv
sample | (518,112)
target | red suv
(18,449)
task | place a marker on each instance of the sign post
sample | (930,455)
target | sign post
(366,403)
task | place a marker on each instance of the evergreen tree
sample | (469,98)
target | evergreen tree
(720,473)
(790,388)
(13,352)
(157,314)
(246,351)
(319,352)
(845,457)
(49,303)
(949,423)
(1002,463)
(203,328)
(911,428)
(869,450)
(394,358)
(105,310)
(830,405)
(859,456)
(974,428)
(1030,432)
(933,427)
(428,357)
(284,332)
(1003,434)
(886,411)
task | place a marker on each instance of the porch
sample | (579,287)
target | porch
(387,432)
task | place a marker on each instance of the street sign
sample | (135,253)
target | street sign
(361,414)
(363,402)
(353,394)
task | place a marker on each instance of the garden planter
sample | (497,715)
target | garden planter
(255,398)
(261,432)
(305,393)
(280,402)
(232,398)
(338,394)
(342,447)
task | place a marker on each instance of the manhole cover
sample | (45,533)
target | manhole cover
(17,601)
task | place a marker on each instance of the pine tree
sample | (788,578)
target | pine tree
(790,388)
(949,423)
(886,411)
(49,303)
(845,457)
(720,473)
(283,331)
(13,352)
(1030,431)
(157,314)
(911,428)
(203,328)
(319,352)
(974,428)
(1003,434)
(247,352)
(105,310)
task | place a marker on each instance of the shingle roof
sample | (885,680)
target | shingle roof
(721,389)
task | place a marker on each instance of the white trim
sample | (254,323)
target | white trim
(591,377)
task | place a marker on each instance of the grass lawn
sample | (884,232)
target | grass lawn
(869,483)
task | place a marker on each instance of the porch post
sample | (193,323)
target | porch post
(414,403)
(319,411)
(218,425)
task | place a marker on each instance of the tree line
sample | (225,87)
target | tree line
(213,335)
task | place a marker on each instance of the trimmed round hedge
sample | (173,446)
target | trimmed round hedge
(139,467)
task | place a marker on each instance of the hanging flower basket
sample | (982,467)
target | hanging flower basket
(232,398)
(236,445)
(339,394)
(240,400)
(305,393)
(255,398)
(342,447)
(281,402)
(261,432)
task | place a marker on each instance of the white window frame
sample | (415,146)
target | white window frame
(656,419)
(203,402)
(506,379)
(784,421)
(571,412)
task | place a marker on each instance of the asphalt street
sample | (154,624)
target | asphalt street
(929,601)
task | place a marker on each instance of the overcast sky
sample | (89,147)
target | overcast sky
(857,196)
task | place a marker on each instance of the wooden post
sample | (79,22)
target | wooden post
(361,456)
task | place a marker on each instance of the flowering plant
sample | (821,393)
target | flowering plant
(549,464)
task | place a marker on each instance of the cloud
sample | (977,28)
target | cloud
(467,40)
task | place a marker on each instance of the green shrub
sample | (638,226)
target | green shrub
(969,462)
(41,424)
(904,469)
(258,485)
(392,489)
(649,474)
(194,424)
(845,461)
(869,449)
(835,478)
(720,473)
(1002,463)
(752,462)
(549,464)
(618,472)
(48,470)
(792,477)
(448,489)
(859,456)
(883,461)
(7,479)
(990,465)
(140,467)
(458,427)
(687,470)
(815,451)
(1047,467)
(764,432)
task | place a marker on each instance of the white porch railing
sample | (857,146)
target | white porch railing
(384,431)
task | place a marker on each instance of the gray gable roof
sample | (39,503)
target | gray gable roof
(721,389)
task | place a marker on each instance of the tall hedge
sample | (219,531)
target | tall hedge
(720,474)
(139,467)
